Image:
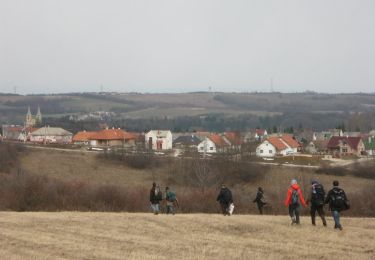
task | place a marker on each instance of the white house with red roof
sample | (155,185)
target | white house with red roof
(278,145)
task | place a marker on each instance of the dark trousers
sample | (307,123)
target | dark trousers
(224,208)
(320,210)
(294,214)
(260,207)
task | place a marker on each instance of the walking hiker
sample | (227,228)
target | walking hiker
(338,202)
(293,199)
(155,198)
(171,200)
(259,199)
(226,200)
(316,200)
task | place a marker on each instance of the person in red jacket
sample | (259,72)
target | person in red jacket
(293,199)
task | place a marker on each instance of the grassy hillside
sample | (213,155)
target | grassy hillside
(128,183)
(72,235)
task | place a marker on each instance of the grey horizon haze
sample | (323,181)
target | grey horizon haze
(51,46)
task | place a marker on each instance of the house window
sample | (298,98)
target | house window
(270,151)
(344,150)
(201,147)
(211,148)
(261,151)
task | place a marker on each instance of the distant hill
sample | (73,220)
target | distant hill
(280,109)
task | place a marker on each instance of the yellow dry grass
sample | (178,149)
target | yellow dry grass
(72,235)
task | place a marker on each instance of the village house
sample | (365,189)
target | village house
(82,138)
(369,143)
(11,132)
(260,134)
(215,143)
(51,135)
(278,145)
(159,140)
(326,135)
(114,137)
(25,135)
(343,145)
(186,141)
(234,139)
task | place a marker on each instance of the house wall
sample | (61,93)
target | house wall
(207,146)
(51,138)
(166,142)
(266,149)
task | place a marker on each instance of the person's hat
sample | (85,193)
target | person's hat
(335,183)
(294,181)
(314,182)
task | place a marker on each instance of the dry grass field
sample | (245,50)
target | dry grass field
(72,235)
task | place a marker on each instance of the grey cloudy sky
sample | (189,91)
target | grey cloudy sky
(180,46)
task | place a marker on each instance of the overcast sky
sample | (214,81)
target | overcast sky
(49,46)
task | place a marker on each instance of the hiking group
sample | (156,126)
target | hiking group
(335,198)
(156,197)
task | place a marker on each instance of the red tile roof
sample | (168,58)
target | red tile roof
(234,138)
(30,129)
(82,136)
(260,131)
(275,141)
(289,140)
(14,128)
(112,134)
(218,140)
(352,141)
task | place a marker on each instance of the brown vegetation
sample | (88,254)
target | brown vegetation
(72,235)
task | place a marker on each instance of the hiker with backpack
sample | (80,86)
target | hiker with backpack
(293,199)
(226,200)
(155,197)
(316,200)
(337,200)
(171,200)
(259,199)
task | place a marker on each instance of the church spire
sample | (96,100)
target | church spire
(28,111)
(38,116)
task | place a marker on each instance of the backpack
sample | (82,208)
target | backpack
(171,196)
(319,195)
(338,200)
(295,198)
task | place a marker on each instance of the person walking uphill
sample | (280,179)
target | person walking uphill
(338,202)
(155,198)
(316,200)
(225,199)
(171,200)
(259,199)
(293,199)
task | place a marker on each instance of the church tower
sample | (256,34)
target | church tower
(38,117)
(30,121)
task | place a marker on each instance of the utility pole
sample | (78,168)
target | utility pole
(15,90)
(271,85)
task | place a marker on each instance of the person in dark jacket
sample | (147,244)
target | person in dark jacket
(316,201)
(225,199)
(259,199)
(155,197)
(337,200)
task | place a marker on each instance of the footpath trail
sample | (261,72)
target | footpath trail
(75,235)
